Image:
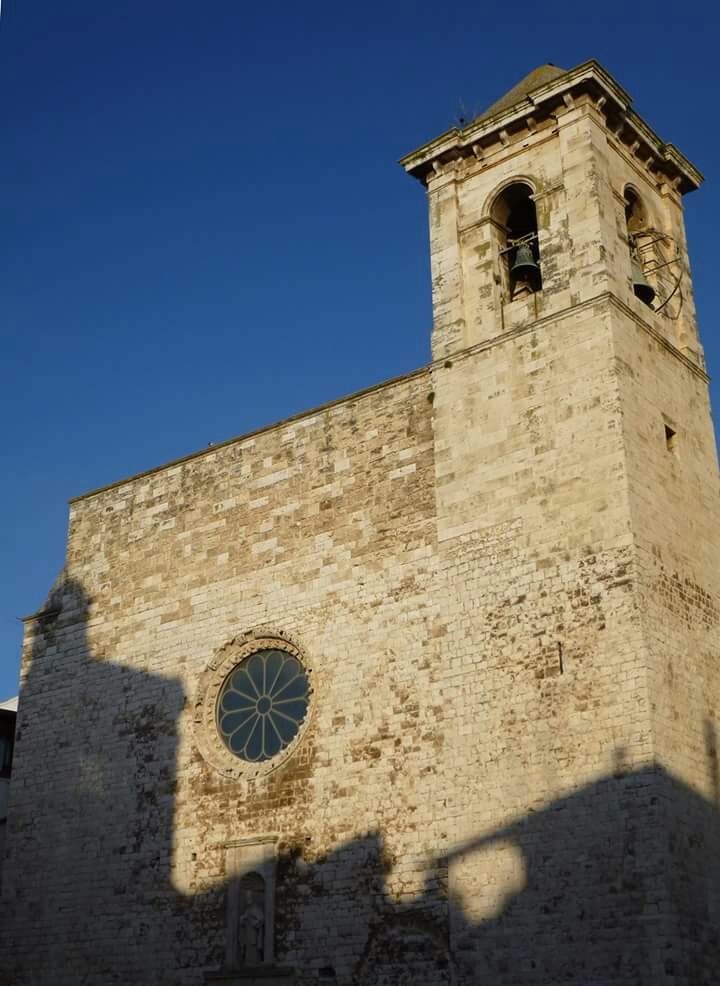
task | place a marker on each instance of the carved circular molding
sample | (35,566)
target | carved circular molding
(205,719)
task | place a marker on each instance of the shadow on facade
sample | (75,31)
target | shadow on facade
(618,882)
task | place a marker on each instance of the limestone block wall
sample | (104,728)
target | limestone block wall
(550,733)
(503,775)
(322,528)
(674,504)
(501,575)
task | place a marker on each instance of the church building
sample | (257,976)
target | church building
(421,686)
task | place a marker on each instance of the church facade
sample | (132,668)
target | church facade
(421,686)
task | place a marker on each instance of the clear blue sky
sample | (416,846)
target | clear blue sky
(203,227)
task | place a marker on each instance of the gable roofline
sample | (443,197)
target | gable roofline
(245,437)
(543,100)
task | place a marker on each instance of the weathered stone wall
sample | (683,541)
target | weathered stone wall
(323,528)
(673,496)
(478,660)
(504,587)
(547,651)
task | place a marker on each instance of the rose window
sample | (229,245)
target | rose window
(262,704)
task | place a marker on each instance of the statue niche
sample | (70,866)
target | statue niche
(251,920)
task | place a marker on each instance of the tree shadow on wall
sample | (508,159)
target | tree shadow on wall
(86,885)
(618,882)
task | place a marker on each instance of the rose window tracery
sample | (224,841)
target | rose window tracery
(262,704)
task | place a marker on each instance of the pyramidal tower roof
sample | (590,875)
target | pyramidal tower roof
(538,77)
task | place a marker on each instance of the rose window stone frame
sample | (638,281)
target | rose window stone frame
(210,685)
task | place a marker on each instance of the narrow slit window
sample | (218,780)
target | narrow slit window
(670,438)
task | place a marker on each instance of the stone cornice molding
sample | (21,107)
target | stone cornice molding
(553,99)
(538,323)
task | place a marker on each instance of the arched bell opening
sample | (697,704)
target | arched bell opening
(636,222)
(516,219)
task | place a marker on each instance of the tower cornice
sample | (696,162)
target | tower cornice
(545,102)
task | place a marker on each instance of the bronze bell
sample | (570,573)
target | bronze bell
(642,288)
(524,267)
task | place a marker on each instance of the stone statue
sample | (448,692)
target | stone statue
(251,924)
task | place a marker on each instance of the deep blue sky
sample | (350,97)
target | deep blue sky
(203,227)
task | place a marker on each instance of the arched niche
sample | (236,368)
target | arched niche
(515,222)
(637,228)
(635,212)
(250,867)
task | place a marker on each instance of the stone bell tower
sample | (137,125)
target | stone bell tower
(577,496)
(565,167)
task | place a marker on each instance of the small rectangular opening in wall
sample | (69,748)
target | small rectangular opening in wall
(670,438)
